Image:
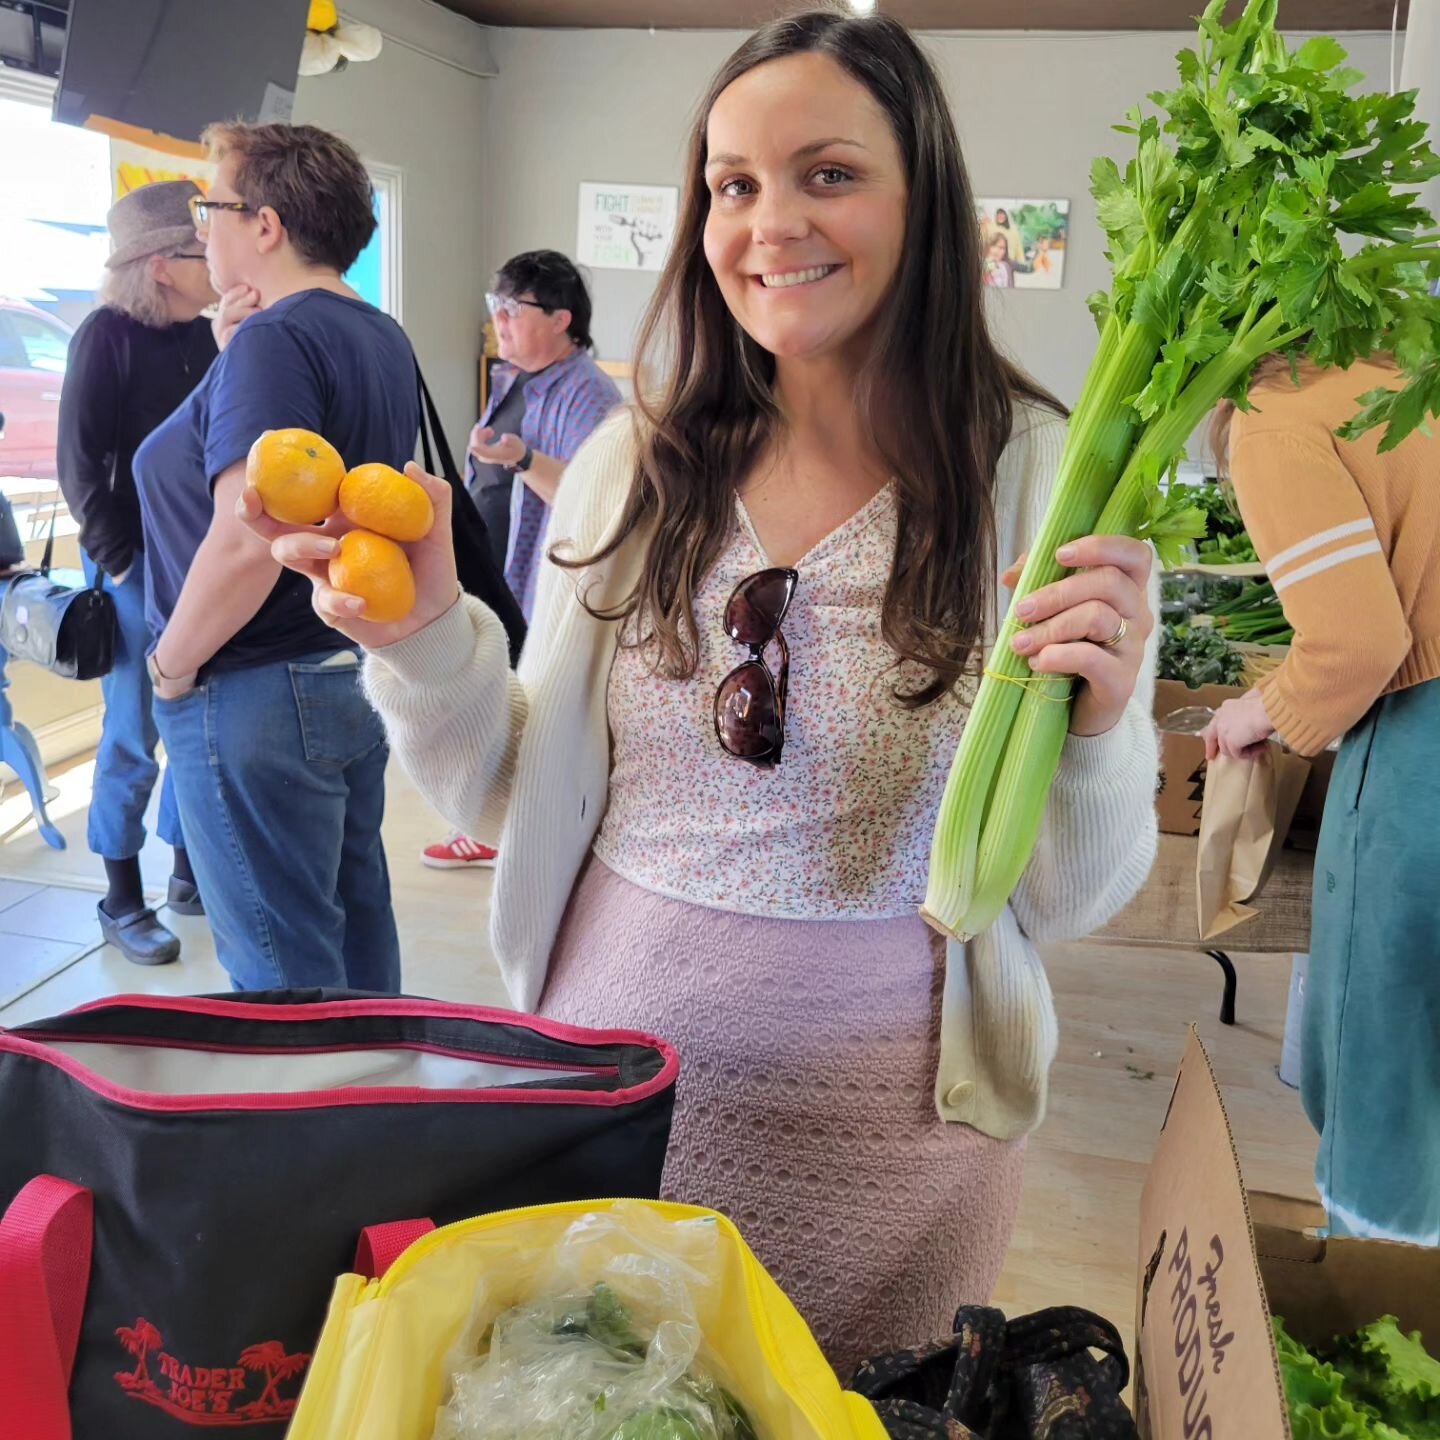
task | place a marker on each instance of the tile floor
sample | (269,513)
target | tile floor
(52,956)
(43,929)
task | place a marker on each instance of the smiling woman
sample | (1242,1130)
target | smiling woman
(828,466)
(836,232)
(856,238)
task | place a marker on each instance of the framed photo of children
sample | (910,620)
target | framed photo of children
(1023,242)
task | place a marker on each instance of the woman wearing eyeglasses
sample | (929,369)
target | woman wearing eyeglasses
(549,396)
(131,363)
(728,847)
(279,761)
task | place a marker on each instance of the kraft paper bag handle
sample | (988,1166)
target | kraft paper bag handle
(1246,815)
(46,1238)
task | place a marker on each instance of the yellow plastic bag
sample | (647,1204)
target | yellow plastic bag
(382,1367)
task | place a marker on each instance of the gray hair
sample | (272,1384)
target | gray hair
(134,291)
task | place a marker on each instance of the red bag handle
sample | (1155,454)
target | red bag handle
(382,1245)
(46,1238)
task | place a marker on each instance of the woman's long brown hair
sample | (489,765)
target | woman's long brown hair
(935,393)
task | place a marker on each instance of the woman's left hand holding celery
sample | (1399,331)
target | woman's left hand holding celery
(1092,624)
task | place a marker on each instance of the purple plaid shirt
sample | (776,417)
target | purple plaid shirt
(563,404)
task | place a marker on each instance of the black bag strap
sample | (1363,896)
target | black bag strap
(48,558)
(1061,1331)
(479,575)
(430,424)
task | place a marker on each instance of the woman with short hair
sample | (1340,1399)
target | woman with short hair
(548,398)
(279,761)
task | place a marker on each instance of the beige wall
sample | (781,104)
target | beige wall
(1032,110)
(426,118)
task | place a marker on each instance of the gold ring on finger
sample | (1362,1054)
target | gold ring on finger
(1117,637)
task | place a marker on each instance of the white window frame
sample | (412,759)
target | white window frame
(388,180)
(389,183)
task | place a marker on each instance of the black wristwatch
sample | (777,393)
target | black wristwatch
(524,462)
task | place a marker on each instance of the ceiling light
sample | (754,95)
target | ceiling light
(863,7)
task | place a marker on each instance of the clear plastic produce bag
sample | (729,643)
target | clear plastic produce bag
(608,1344)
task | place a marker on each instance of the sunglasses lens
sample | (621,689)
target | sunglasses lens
(758,606)
(747,714)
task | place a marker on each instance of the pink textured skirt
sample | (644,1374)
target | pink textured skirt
(806,1106)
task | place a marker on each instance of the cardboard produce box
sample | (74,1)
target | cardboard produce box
(1215,1262)
(1181,788)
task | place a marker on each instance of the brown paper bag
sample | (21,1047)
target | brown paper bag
(1243,823)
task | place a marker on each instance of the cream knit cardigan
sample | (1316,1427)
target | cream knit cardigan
(527,754)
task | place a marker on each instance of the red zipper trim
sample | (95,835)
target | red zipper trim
(13,1043)
(321,1099)
(341,1009)
(153,1043)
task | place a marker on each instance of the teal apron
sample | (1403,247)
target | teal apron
(1371,1055)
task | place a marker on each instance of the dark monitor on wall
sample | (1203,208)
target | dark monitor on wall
(174,66)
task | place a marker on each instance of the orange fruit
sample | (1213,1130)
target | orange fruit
(298,475)
(380,499)
(374,568)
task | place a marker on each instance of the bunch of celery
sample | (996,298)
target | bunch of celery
(1226,240)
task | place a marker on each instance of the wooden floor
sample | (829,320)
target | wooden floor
(1123,1014)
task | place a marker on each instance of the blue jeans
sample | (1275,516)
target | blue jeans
(125,765)
(280,774)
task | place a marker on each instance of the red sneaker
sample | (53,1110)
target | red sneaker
(460,852)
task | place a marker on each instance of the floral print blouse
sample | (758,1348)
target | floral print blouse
(841,827)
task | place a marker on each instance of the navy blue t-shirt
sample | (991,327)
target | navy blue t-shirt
(316,361)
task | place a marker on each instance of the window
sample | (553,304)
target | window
(375,276)
(54,192)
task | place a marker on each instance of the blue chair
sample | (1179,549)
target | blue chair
(18,749)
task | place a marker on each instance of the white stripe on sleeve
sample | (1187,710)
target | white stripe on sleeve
(1327,562)
(1325,537)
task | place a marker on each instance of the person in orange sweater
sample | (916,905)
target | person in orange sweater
(1350,539)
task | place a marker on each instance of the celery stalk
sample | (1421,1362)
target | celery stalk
(1095,451)
(1225,238)
(1010,826)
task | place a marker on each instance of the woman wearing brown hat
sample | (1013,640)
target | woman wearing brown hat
(131,363)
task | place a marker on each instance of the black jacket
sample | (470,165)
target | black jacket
(122,379)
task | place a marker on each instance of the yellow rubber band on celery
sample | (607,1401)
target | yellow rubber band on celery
(1034,684)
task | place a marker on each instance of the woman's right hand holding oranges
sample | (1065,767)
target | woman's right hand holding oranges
(335,529)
